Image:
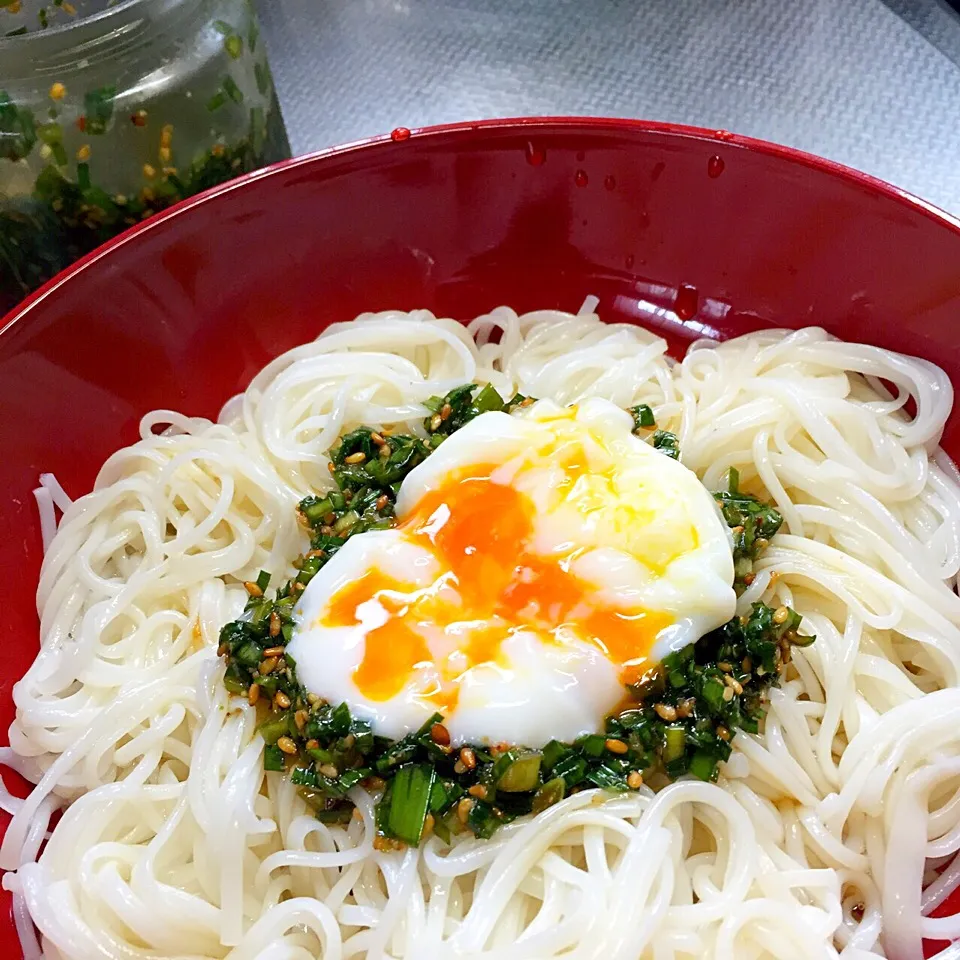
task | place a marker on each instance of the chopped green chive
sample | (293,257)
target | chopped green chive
(233,45)
(410,802)
(642,416)
(231,89)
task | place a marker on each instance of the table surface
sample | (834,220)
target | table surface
(870,84)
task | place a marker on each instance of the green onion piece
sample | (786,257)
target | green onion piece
(20,31)
(733,481)
(571,768)
(347,522)
(593,745)
(83,176)
(231,89)
(674,743)
(263,580)
(410,802)
(233,685)
(439,797)
(59,154)
(488,399)
(98,107)
(315,510)
(704,766)
(233,45)
(609,775)
(442,829)
(216,101)
(262,75)
(273,758)
(552,752)
(222,27)
(549,794)
(50,133)
(642,416)
(712,691)
(522,775)
(273,730)
(667,442)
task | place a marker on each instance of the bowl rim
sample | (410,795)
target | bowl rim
(22,310)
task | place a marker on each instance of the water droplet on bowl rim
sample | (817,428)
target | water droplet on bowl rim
(580,178)
(685,305)
(400,133)
(715,166)
(610,182)
(536,156)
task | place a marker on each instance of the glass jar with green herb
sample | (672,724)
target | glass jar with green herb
(112,111)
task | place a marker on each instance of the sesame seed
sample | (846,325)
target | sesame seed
(749,578)
(313,745)
(760,544)
(780,615)
(329,770)
(357,457)
(382,501)
(149,171)
(58,91)
(268,666)
(435,422)
(274,623)
(440,734)
(287,746)
(300,718)
(666,712)
(634,780)
(728,694)
(274,651)
(723,733)
(616,746)
(377,439)
(253,694)
(445,411)
(281,700)
(252,588)
(463,809)
(83,154)
(428,823)
(468,758)
(478,790)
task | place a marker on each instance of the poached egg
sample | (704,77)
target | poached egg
(542,560)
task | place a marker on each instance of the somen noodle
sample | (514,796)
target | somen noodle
(834,829)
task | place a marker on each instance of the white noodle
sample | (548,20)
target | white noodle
(175,844)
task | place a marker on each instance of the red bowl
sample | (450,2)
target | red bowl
(724,234)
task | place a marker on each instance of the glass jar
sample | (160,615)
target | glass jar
(111,112)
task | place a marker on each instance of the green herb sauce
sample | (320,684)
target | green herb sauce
(680,720)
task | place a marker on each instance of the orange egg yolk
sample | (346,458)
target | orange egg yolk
(491,585)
